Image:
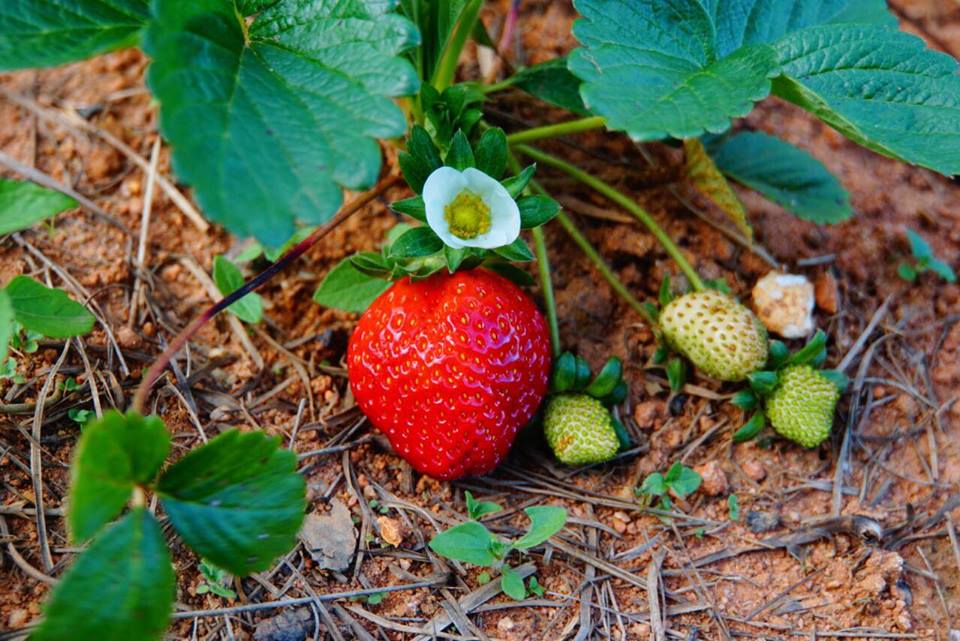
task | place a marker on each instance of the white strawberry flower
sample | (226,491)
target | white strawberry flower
(470,209)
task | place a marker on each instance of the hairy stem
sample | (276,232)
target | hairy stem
(139,399)
(559,129)
(624,201)
(447,68)
(543,267)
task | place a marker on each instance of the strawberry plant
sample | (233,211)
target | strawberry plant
(274,107)
(679,480)
(471,542)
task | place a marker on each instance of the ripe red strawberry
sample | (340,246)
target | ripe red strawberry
(449,368)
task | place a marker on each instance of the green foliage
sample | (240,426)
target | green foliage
(881,88)
(552,82)
(44,33)
(347,288)
(215,581)
(114,455)
(733,507)
(121,587)
(788,176)
(678,85)
(237,501)
(472,542)
(679,479)
(228,279)
(47,311)
(6,324)
(924,260)
(478,509)
(283,113)
(238,498)
(23,204)
(704,63)
(436,22)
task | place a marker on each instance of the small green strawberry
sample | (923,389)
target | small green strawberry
(579,429)
(801,407)
(716,333)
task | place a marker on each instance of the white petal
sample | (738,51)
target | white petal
(504,213)
(440,188)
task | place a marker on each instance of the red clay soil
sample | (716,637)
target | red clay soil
(885,565)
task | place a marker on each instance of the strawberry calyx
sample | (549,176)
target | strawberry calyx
(768,383)
(572,376)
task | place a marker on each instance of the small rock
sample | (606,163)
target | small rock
(755,470)
(506,624)
(330,538)
(826,294)
(760,522)
(17,619)
(714,478)
(127,337)
(289,625)
(390,531)
(784,304)
(645,413)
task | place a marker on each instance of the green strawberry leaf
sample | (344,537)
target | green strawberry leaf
(114,454)
(836,377)
(536,210)
(121,587)
(733,507)
(23,204)
(745,399)
(676,373)
(45,33)
(470,542)
(47,311)
(942,269)
(653,71)
(788,176)
(283,112)
(347,288)
(512,584)
(564,372)
(545,521)
(907,272)
(237,501)
(751,428)
(229,278)
(477,509)
(553,83)
(779,354)
(879,87)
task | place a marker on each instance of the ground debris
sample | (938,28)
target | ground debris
(330,538)
(289,625)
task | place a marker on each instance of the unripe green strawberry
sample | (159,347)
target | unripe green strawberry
(801,407)
(579,429)
(716,333)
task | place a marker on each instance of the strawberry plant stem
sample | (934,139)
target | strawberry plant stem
(624,201)
(447,68)
(139,399)
(543,266)
(559,129)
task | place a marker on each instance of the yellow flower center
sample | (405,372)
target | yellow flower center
(467,215)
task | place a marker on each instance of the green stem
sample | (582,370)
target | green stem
(543,266)
(559,129)
(447,68)
(624,201)
(494,87)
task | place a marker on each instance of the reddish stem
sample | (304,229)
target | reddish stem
(292,254)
